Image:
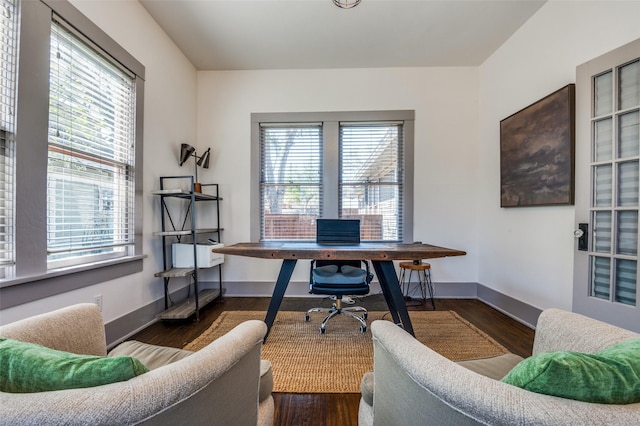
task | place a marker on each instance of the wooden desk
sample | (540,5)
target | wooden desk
(381,256)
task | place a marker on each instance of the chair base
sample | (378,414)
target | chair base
(338,309)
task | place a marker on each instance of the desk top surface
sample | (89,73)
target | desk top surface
(368,251)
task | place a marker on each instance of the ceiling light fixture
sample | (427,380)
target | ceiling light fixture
(346,4)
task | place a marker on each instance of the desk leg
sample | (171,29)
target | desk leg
(286,270)
(393,294)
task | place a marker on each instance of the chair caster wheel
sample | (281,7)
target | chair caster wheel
(322,330)
(363,328)
(307,318)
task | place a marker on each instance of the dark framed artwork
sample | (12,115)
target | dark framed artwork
(537,147)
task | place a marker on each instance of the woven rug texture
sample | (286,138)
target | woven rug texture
(305,361)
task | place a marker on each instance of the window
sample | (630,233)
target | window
(371,180)
(90,156)
(290,181)
(77,173)
(346,165)
(8,67)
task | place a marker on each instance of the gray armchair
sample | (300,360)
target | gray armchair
(218,385)
(413,385)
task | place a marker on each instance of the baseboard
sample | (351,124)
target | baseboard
(301,289)
(127,325)
(514,308)
(264,289)
(130,324)
(454,290)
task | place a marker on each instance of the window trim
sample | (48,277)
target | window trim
(8,99)
(31,279)
(331,121)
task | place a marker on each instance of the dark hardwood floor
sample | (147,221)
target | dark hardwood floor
(336,409)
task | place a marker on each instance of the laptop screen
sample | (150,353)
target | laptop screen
(338,231)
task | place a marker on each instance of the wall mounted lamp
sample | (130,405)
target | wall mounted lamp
(186,152)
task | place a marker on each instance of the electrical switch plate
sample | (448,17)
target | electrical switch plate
(98,301)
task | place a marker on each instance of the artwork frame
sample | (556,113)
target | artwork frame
(537,152)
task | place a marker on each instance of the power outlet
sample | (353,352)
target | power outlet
(98,301)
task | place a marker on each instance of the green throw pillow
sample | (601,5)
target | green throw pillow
(610,376)
(27,367)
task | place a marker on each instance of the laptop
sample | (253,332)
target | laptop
(338,232)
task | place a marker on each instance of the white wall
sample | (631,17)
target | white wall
(527,253)
(446,148)
(170,118)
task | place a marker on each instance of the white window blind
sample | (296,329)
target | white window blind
(290,180)
(8,68)
(90,175)
(371,178)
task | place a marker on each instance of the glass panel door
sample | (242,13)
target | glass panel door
(615,201)
(608,126)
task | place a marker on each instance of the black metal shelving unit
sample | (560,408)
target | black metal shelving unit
(177,230)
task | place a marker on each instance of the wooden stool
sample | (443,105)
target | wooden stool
(424,279)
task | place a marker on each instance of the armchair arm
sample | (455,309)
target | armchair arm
(419,386)
(567,331)
(78,329)
(215,385)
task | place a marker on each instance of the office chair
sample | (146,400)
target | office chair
(339,278)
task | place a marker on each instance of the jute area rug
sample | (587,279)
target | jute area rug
(305,361)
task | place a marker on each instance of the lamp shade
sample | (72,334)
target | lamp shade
(186,151)
(203,161)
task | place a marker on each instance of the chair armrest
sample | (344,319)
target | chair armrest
(220,381)
(567,331)
(78,329)
(216,385)
(416,384)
